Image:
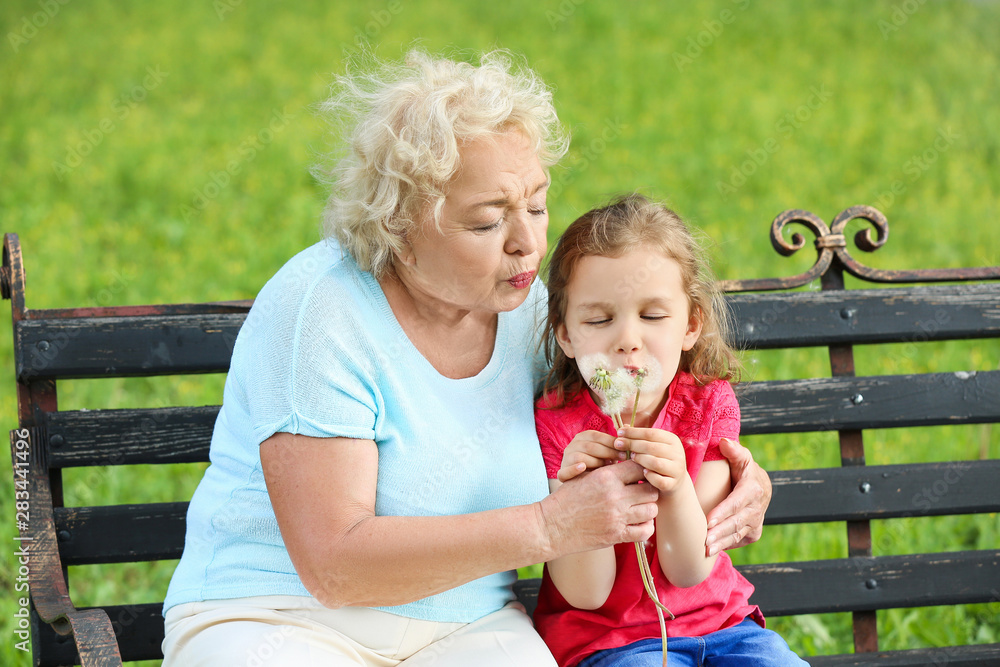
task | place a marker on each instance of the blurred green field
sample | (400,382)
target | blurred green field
(161,152)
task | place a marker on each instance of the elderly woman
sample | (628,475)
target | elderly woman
(375,473)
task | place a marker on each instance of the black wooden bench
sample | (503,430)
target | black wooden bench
(58,344)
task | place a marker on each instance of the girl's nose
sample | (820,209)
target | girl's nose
(628,339)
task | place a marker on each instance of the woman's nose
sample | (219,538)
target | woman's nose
(521,237)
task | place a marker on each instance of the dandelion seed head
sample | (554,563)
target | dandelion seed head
(613,387)
(649,375)
(620,392)
(593,368)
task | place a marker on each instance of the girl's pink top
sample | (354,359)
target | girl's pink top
(700,415)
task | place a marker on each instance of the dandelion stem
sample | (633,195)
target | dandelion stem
(610,386)
(635,407)
(640,552)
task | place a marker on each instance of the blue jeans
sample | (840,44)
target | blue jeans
(746,644)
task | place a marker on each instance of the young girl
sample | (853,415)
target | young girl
(629,289)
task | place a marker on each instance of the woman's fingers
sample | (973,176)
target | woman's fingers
(739,519)
(602,508)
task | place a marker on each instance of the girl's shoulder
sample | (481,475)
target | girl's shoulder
(557,405)
(697,401)
(576,413)
(688,385)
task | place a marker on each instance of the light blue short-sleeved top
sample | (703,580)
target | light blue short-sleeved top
(321,354)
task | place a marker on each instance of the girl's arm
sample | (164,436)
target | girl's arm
(584,579)
(323,494)
(681,526)
(739,519)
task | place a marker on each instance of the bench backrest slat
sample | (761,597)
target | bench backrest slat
(813,319)
(884,492)
(860,584)
(156,530)
(848,584)
(95,347)
(117,437)
(182,435)
(883,401)
(90,535)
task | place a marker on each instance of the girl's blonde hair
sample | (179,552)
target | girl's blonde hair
(404,125)
(630,223)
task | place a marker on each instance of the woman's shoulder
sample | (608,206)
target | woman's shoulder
(301,273)
(318,290)
(320,275)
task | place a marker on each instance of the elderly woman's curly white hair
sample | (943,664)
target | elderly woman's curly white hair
(404,125)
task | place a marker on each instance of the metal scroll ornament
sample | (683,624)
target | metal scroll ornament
(831,250)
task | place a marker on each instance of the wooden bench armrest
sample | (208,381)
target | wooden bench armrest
(91,629)
(96,643)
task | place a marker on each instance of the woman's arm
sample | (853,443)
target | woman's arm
(739,519)
(585,579)
(323,494)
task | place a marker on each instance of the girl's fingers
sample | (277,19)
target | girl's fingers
(587,460)
(599,449)
(651,434)
(660,466)
(667,450)
(567,473)
(647,440)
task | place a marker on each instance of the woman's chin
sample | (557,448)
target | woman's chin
(510,298)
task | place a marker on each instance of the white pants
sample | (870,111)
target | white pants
(279,631)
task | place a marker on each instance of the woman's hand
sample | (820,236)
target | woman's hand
(739,519)
(659,452)
(586,451)
(600,509)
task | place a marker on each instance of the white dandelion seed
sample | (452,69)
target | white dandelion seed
(650,374)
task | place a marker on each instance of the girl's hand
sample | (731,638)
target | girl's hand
(659,452)
(586,451)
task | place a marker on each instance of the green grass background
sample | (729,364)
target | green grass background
(119,121)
